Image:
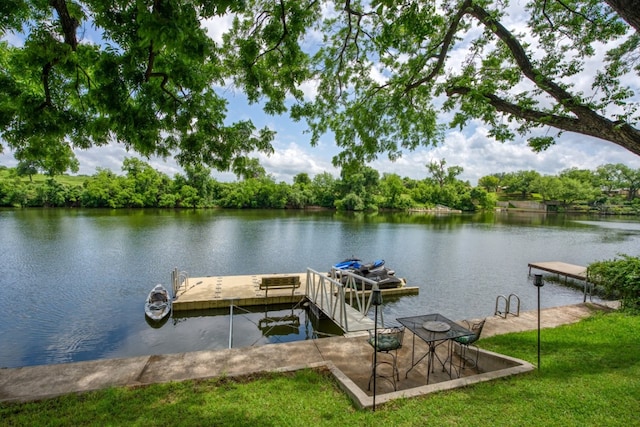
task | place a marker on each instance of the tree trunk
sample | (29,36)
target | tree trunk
(629,10)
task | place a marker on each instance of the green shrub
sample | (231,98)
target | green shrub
(619,277)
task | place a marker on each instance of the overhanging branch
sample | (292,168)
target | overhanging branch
(619,133)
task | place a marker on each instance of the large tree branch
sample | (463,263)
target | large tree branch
(165,77)
(149,72)
(628,10)
(619,133)
(586,121)
(283,36)
(446,43)
(46,72)
(69,24)
(562,96)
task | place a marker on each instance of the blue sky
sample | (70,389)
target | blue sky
(469,148)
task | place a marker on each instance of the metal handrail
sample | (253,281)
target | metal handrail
(507,308)
(330,295)
(178,279)
(517,313)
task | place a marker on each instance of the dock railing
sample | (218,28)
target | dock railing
(330,295)
(179,279)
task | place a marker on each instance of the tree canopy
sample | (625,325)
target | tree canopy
(382,67)
(147,75)
(142,73)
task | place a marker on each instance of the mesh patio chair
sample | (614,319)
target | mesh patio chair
(469,340)
(389,341)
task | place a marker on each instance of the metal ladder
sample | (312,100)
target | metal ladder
(507,306)
(179,279)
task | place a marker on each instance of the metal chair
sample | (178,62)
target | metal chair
(468,340)
(389,341)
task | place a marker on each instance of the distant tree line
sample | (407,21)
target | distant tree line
(358,188)
(611,188)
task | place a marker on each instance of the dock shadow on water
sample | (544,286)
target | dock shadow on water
(258,325)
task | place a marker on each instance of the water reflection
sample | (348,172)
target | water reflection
(261,325)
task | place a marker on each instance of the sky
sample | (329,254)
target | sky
(470,148)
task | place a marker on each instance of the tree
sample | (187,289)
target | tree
(323,189)
(302,180)
(102,190)
(564,189)
(392,189)
(188,197)
(359,185)
(619,177)
(520,182)
(382,65)
(300,194)
(27,168)
(490,182)
(249,168)
(585,176)
(89,72)
(144,74)
(199,177)
(631,180)
(441,175)
(608,177)
(145,183)
(52,159)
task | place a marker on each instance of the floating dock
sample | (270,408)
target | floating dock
(200,293)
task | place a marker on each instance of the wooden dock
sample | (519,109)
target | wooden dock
(561,268)
(577,272)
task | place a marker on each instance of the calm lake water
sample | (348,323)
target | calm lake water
(74,282)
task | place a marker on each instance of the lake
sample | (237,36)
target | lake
(74,281)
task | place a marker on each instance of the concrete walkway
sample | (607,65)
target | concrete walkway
(348,357)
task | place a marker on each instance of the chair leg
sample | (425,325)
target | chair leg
(475,363)
(395,372)
(395,366)
(463,356)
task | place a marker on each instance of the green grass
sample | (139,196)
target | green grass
(71,180)
(590,376)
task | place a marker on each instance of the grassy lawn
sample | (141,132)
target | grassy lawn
(590,376)
(71,180)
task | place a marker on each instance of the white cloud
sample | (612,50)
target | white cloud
(480,155)
(291,160)
(217,26)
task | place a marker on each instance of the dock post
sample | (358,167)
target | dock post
(231,324)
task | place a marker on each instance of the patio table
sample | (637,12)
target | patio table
(434,329)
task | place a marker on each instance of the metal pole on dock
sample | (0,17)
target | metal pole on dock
(231,325)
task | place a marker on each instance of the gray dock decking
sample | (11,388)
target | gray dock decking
(561,268)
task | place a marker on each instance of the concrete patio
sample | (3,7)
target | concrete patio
(347,357)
